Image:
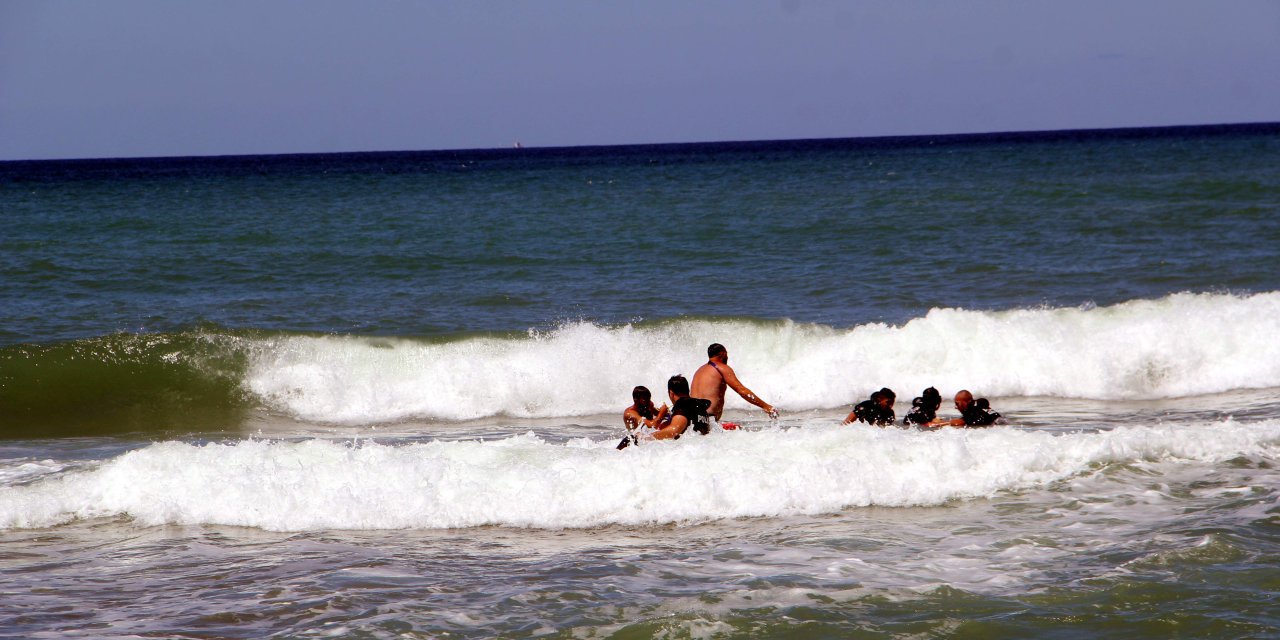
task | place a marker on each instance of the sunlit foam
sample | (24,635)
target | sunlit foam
(524,481)
(1181,345)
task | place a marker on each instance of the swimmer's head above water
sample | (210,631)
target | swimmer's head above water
(884,397)
(678,385)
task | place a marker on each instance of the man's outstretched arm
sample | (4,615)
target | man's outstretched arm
(678,424)
(731,379)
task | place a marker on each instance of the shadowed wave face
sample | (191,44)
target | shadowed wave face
(122,383)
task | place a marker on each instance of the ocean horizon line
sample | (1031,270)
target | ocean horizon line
(518,149)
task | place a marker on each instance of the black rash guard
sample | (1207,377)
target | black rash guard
(979,416)
(695,411)
(869,412)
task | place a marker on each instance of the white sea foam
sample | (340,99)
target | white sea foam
(524,481)
(1181,345)
(25,470)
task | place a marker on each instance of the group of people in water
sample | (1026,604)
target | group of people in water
(878,410)
(693,405)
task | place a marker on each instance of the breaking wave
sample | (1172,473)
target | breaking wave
(524,481)
(1178,346)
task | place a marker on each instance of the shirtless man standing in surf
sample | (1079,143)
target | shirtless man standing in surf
(711,379)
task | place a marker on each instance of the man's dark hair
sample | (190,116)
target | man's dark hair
(678,385)
(888,393)
(641,393)
(931,399)
(715,349)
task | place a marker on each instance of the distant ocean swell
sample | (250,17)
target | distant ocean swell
(1178,346)
(524,481)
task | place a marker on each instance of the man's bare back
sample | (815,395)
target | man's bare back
(712,378)
(708,384)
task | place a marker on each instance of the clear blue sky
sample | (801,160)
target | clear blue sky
(90,78)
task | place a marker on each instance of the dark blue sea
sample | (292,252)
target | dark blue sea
(377,395)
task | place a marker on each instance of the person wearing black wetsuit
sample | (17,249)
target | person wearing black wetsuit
(973,413)
(980,414)
(924,408)
(694,410)
(878,410)
(686,412)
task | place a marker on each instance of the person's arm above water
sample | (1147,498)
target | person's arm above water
(972,419)
(731,379)
(631,419)
(657,419)
(678,424)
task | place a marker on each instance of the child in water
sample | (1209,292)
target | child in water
(641,413)
(924,410)
(878,410)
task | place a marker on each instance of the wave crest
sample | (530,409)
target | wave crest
(1179,346)
(1182,345)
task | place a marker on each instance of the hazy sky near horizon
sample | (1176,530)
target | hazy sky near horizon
(81,78)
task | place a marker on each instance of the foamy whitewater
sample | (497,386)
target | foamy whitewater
(1181,345)
(524,481)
